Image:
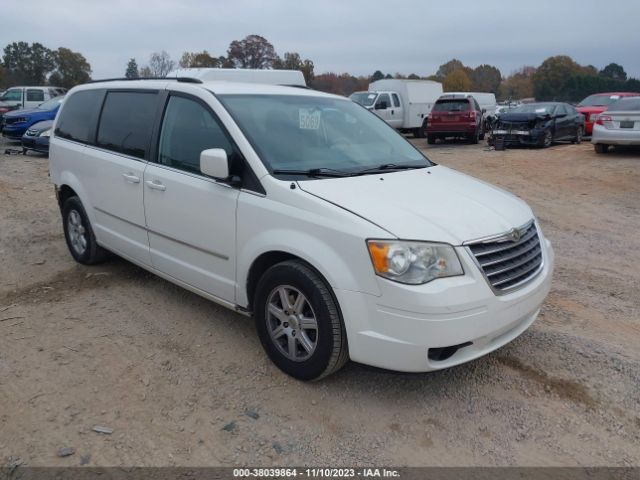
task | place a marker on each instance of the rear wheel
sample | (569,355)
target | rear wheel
(601,148)
(474,138)
(431,139)
(298,321)
(79,235)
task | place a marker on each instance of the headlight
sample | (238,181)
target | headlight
(46,133)
(413,262)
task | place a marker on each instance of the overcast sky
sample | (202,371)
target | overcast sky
(407,36)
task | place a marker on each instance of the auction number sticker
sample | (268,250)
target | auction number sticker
(309,118)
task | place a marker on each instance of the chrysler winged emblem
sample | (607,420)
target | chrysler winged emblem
(514,234)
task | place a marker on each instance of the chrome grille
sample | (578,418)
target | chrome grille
(508,263)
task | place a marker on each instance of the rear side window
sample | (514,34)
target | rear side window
(188,129)
(126,122)
(34,95)
(77,119)
(451,105)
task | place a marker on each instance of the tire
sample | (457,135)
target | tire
(305,353)
(601,148)
(81,241)
(578,138)
(474,138)
(431,139)
(547,139)
(420,132)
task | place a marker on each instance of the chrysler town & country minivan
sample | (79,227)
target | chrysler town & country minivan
(303,210)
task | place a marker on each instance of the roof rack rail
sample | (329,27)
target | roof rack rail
(178,79)
(296,86)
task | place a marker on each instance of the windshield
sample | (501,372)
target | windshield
(300,132)
(50,104)
(12,95)
(598,100)
(540,109)
(364,98)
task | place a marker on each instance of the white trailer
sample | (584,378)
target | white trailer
(244,75)
(408,102)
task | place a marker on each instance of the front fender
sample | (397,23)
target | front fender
(337,266)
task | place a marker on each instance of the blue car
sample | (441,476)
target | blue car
(36,138)
(16,123)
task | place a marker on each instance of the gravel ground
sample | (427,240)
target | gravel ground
(182,381)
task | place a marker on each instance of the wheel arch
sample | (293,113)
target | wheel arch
(267,260)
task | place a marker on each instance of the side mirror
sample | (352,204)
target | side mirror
(214,163)
(381,106)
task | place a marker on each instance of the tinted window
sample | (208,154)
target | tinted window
(396,100)
(451,105)
(77,120)
(189,128)
(384,98)
(35,95)
(126,122)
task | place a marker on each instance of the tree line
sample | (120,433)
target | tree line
(557,78)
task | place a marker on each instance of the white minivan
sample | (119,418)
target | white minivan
(303,210)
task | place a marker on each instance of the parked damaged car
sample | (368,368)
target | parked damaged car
(539,124)
(36,138)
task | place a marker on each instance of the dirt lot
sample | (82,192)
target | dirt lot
(182,381)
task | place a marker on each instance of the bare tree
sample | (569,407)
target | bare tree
(160,64)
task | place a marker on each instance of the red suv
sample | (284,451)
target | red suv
(597,103)
(455,116)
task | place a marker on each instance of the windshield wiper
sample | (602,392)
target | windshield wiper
(386,167)
(314,172)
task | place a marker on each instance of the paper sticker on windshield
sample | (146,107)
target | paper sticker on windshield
(541,110)
(614,97)
(309,118)
(371,96)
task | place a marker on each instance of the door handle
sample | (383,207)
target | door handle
(155,185)
(130,177)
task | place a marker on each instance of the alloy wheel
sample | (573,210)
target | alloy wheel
(77,232)
(291,323)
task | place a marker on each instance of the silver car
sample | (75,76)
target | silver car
(618,125)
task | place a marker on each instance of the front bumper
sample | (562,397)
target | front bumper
(607,136)
(13,132)
(518,137)
(38,144)
(397,330)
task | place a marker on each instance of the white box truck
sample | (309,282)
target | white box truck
(403,104)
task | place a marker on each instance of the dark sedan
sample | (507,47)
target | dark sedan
(539,124)
(37,137)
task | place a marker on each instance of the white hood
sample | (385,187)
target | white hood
(436,204)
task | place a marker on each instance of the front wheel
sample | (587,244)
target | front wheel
(547,139)
(578,138)
(299,322)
